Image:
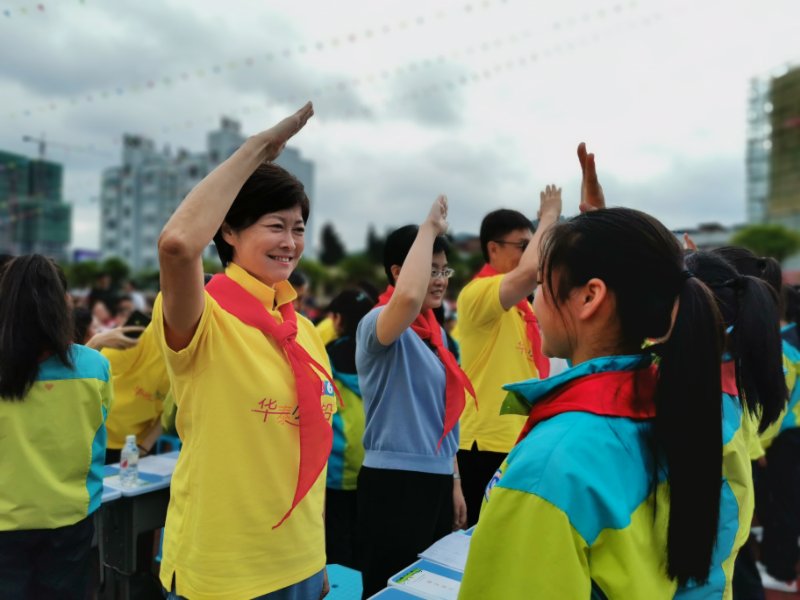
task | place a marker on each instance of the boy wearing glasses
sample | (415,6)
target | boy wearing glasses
(499,340)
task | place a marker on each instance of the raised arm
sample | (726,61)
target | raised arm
(592,197)
(194,224)
(520,282)
(411,286)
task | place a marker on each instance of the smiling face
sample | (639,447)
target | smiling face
(270,248)
(437,286)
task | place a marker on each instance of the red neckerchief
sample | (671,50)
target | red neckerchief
(531,326)
(316,435)
(456,381)
(729,378)
(612,394)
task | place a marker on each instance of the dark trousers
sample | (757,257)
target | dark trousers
(46,563)
(781,519)
(400,514)
(746,578)
(340,527)
(477,467)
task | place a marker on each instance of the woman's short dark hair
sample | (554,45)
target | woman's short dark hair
(399,242)
(499,223)
(35,321)
(269,189)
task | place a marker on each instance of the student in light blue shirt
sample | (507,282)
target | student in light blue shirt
(409,494)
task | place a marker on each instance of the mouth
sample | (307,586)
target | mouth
(284,260)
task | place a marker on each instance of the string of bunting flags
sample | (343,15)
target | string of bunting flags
(450,83)
(160,81)
(24,10)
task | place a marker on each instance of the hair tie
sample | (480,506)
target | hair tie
(687,274)
(737,282)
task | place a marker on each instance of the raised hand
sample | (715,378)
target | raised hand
(275,137)
(592,197)
(688,243)
(437,217)
(115,338)
(550,202)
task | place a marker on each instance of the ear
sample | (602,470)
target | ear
(395,269)
(591,298)
(491,249)
(227,233)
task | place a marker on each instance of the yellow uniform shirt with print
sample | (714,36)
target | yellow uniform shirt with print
(140,380)
(494,351)
(237,471)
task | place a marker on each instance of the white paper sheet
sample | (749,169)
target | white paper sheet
(450,551)
(158,465)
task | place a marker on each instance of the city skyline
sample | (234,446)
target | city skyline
(485,101)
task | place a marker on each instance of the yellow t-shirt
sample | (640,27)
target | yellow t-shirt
(494,351)
(140,380)
(327,331)
(237,471)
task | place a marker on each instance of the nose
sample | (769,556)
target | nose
(287,241)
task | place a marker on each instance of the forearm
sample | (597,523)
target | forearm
(521,282)
(412,284)
(410,288)
(194,224)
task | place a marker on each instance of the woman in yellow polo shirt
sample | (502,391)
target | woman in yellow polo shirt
(250,380)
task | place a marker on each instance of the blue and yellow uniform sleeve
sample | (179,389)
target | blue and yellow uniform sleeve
(525,547)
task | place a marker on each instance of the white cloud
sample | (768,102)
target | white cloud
(485,100)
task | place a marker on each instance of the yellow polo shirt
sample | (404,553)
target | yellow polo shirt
(140,380)
(237,471)
(327,330)
(494,351)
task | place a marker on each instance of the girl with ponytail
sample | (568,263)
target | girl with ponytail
(613,489)
(780,477)
(753,395)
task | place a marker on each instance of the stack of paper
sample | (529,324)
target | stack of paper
(451,551)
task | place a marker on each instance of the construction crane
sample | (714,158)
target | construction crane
(42,145)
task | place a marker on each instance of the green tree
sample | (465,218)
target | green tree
(117,268)
(768,239)
(81,274)
(332,249)
(375,245)
(358,267)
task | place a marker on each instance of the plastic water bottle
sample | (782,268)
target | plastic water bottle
(129,462)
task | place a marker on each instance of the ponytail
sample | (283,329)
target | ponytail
(757,349)
(688,428)
(748,307)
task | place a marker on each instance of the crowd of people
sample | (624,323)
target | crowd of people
(610,411)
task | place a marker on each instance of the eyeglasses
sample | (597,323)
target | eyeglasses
(445,273)
(521,244)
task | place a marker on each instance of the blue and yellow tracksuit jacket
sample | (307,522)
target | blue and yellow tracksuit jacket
(53,444)
(572,512)
(347,452)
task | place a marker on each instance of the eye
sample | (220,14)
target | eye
(299,230)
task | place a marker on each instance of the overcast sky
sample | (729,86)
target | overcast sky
(484,100)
